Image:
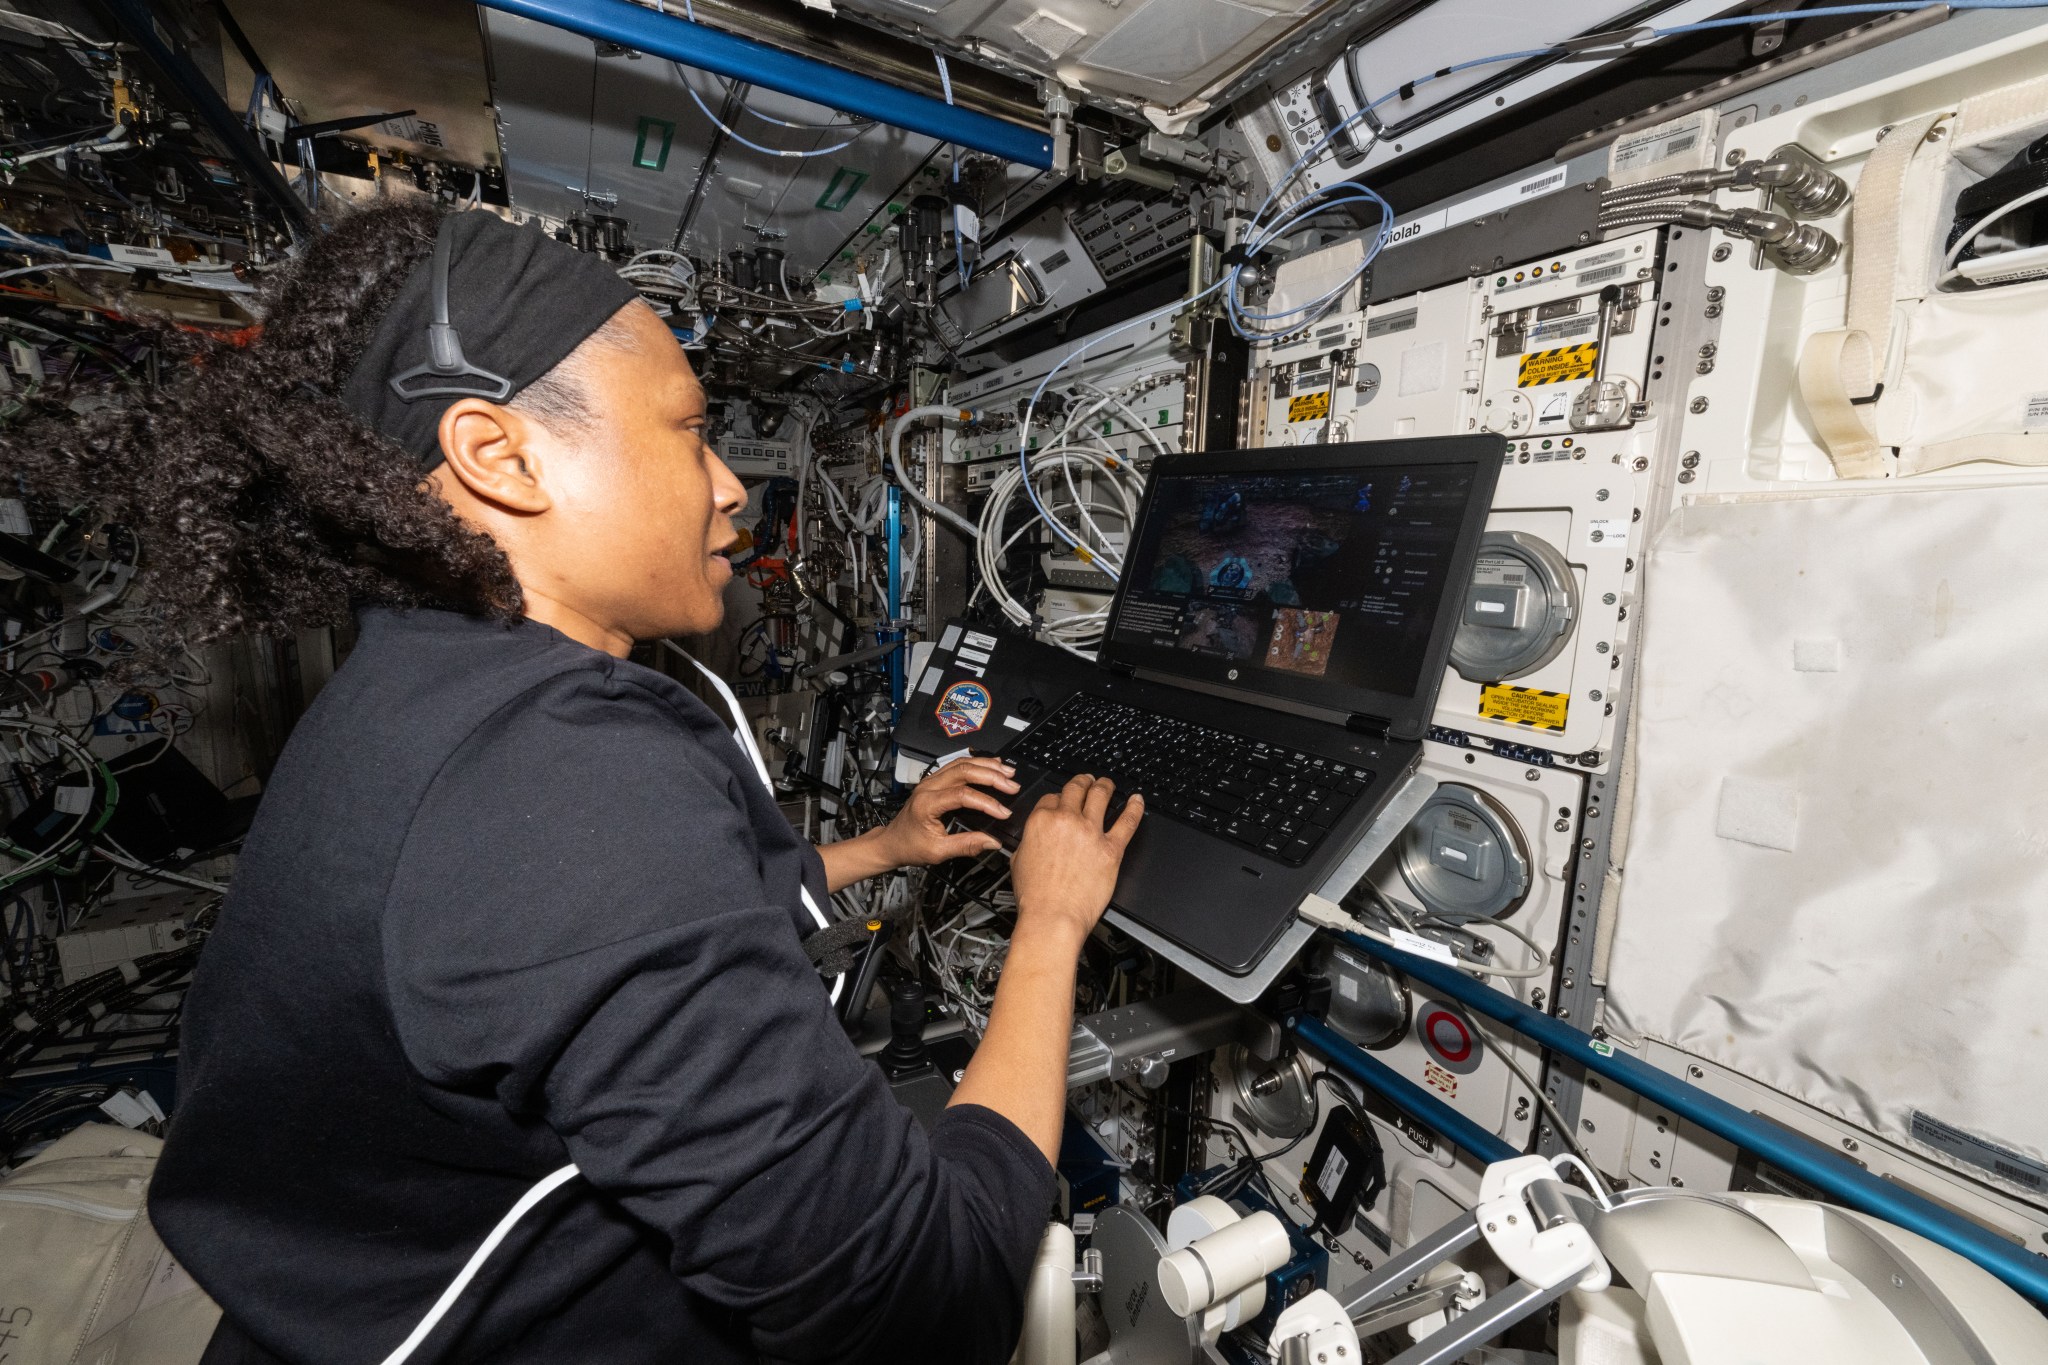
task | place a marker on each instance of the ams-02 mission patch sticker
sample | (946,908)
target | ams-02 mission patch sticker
(964,708)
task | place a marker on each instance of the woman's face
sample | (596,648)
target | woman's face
(646,509)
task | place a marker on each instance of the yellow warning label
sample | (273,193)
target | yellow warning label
(1537,709)
(1555,367)
(1307,407)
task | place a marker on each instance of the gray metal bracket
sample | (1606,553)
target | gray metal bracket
(1377,837)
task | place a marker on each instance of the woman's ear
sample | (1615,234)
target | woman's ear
(495,453)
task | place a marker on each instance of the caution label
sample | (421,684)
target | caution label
(1555,367)
(1530,706)
(1307,407)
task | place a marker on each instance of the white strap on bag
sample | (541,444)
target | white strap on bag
(1839,370)
(2022,448)
(743,735)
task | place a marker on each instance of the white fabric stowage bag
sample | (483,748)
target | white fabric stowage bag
(84,1279)
(1837,870)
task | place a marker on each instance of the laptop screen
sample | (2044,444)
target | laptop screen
(1319,573)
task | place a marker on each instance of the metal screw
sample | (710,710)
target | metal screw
(1715,293)
(1677,1183)
(1708,350)
(1640,463)
(1850,1145)
(1698,405)
(1656,1164)
(1691,460)
(1600,648)
(1594,695)
(1704,367)
(1587,1124)
(1695,1073)
(1562,826)
(1585,237)
(1600,495)
(1713,310)
(1723,252)
(1736,156)
(1685,476)
(1608,600)
(1532,775)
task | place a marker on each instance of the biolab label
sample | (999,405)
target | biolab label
(1530,706)
(1308,407)
(1557,366)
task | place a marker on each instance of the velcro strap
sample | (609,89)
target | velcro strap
(1835,375)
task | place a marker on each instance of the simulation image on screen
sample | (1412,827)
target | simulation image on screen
(1328,574)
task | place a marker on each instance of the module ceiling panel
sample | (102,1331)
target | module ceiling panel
(1159,52)
(375,56)
(574,123)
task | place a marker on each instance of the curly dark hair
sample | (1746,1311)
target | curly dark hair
(263,504)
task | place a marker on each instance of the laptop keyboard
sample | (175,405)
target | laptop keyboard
(1276,800)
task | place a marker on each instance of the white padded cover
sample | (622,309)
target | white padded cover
(1837,875)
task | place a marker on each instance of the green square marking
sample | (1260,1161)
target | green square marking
(650,152)
(846,183)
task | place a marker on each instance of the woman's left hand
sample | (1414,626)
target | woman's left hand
(918,837)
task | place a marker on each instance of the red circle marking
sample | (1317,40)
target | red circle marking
(1442,1017)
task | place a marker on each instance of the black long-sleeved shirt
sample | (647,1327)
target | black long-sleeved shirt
(510,903)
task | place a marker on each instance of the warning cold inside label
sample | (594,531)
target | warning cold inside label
(1307,407)
(1554,367)
(1530,706)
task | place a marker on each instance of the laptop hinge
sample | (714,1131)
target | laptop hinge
(1361,724)
(1121,670)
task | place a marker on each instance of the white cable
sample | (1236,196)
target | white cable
(476,1262)
(916,494)
(1977,229)
(1464,964)
(102,142)
(110,851)
(1563,1159)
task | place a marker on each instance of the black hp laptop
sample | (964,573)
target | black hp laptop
(1271,662)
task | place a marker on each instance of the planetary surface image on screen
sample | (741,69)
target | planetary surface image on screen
(1301,640)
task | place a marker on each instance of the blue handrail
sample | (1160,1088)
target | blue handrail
(728,54)
(1835,1176)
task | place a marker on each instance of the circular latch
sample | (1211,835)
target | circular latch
(1518,610)
(1463,856)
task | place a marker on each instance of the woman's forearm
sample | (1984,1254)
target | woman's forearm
(857,859)
(1020,1068)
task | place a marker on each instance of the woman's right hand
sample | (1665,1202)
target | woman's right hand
(1066,864)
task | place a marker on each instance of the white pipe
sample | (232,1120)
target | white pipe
(1049,1302)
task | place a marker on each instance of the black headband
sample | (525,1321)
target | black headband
(494,308)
